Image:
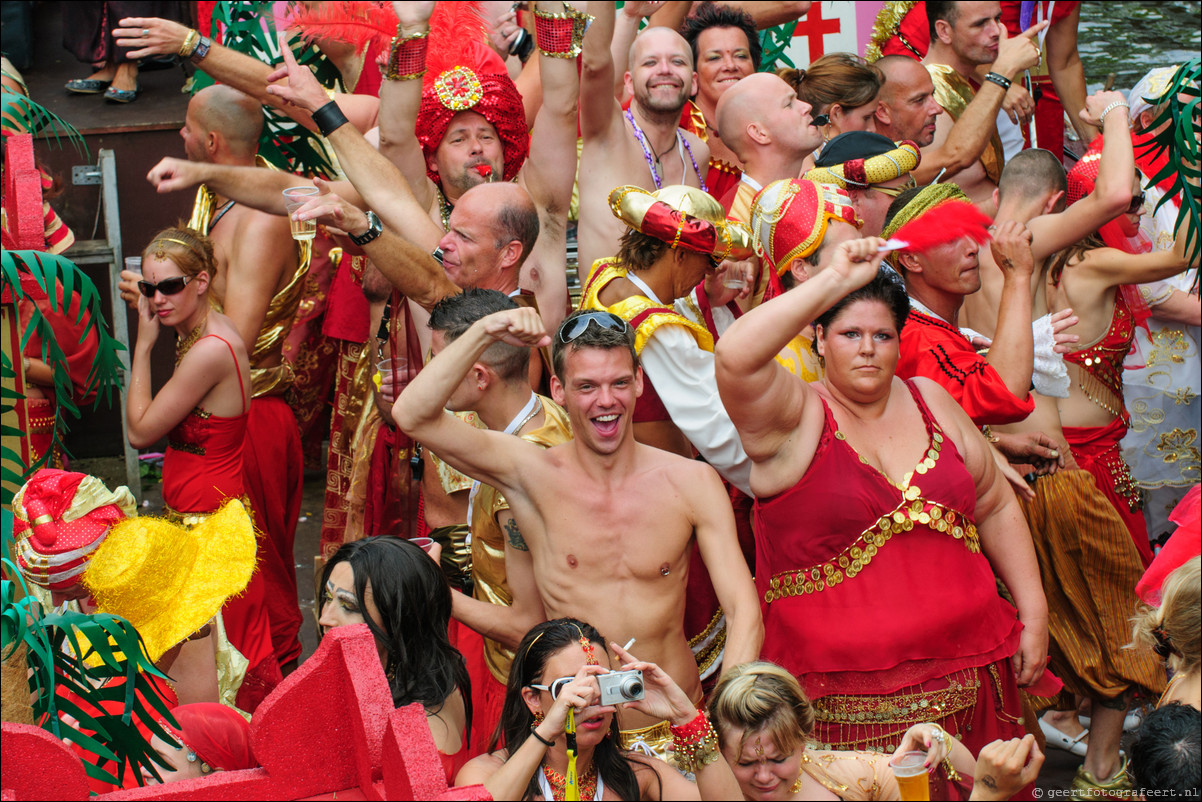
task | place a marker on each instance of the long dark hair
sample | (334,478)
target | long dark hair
(530,660)
(1073,253)
(414,601)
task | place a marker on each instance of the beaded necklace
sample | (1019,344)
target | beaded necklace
(184,344)
(557,784)
(651,160)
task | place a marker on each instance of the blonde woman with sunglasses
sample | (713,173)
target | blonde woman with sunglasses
(202,412)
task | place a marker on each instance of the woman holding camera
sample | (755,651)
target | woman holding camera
(555,672)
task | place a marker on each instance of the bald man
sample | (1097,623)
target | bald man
(642,147)
(908,110)
(260,272)
(770,129)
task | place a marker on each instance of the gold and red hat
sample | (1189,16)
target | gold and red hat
(875,169)
(465,74)
(60,520)
(684,217)
(790,217)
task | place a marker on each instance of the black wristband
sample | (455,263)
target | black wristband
(534,732)
(1000,80)
(329,118)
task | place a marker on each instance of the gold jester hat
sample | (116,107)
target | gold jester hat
(684,217)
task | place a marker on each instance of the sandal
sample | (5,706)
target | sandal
(122,95)
(1130,723)
(86,86)
(1087,786)
(1061,740)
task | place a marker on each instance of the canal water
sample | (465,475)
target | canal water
(1130,38)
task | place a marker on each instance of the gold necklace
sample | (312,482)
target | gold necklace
(184,344)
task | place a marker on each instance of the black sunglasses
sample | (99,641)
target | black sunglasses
(1137,203)
(573,328)
(820,120)
(168,286)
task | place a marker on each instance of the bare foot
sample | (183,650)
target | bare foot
(126,76)
(105,73)
(1066,721)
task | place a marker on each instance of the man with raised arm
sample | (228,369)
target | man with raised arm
(643,146)
(965,35)
(504,603)
(259,282)
(1091,594)
(991,389)
(604,517)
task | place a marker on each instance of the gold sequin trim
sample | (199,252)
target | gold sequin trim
(902,708)
(853,559)
(187,448)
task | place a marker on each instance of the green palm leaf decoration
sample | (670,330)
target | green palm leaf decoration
(52,272)
(1180,140)
(774,42)
(250,28)
(20,115)
(98,660)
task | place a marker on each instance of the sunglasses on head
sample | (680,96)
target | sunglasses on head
(572,329)
(893,192)
(168,286)
(1137,203)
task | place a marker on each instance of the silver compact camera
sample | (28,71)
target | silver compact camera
(620,686)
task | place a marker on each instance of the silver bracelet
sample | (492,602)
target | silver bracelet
(1116,104)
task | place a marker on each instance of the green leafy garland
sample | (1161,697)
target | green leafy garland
(1180,140)
(249,28)
(59,646)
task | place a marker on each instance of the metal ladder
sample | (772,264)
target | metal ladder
(108,252)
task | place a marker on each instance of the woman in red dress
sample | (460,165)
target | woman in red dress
(880,521)
(202,411)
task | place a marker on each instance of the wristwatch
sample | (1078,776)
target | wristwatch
(374,229)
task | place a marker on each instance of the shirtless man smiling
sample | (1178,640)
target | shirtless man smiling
(624,148)
(609,523)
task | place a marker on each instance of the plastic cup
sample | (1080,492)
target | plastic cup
(294,198)
(133,264)
(423,543)
(735,281)
(911,772)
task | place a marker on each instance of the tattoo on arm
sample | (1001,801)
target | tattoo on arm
(988,782)
(515,535)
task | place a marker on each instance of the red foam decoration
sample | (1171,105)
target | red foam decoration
(26,228)
(947,222)
(36,765)
(328,731)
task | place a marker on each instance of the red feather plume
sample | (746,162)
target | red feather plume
(459,36)
(947,222)
(357,23)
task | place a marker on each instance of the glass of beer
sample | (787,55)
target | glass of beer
(294,198)
(911,774)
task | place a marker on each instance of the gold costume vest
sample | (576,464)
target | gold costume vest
(954,93)
(643,314)
(488,541)
(277,322)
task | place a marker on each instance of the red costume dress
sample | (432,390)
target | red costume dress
(1096,448)
(935,349)
(202,468)
(877,645)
